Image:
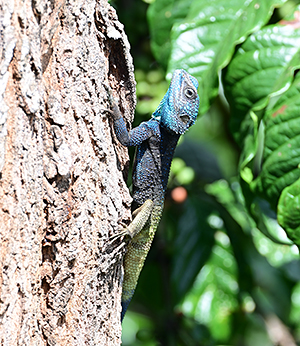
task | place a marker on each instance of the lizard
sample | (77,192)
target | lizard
(155,141)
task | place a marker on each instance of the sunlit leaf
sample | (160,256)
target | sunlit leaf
(205,41)
(162,15)
(213,296)
(282,144)
(261,67)
(275,253)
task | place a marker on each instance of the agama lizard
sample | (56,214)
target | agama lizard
(155,140)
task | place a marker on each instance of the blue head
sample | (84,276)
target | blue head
(178,109)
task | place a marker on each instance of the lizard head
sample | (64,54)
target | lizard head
(178,109)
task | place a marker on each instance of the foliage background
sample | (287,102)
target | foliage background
(222,270)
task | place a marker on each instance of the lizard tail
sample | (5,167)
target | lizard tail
(124,307)
(134,260)
(135,256)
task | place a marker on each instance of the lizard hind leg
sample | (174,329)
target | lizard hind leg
(140,217)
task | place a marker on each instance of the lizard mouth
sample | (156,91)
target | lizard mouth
(185,118)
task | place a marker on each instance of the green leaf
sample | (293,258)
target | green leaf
(289,211)
(192,246)
(251,135)
(295,311)
(264,98)
(204,43)
(262,66)
(266,221)
(162,14)
(276,254)
(213,296)
(253,268)
(280,167)
(231,198)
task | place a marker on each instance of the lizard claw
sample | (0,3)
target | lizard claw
(123,234)
(117,238)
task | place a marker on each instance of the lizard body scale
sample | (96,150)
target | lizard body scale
(156,141)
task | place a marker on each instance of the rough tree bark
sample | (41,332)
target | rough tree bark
(62,189)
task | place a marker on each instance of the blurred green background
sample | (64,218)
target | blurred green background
(222,270)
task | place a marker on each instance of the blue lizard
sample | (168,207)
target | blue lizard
(156,141)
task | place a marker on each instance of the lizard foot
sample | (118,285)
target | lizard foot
(124,233)
(140,218)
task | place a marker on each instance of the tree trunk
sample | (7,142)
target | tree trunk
(62,190)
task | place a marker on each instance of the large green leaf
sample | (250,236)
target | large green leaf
(205,42)
(192,246)
(264,98)
(262,66)
(289,211)
(256,276)
(280,167)
(162,15)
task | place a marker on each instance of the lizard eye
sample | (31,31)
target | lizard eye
(189,93)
